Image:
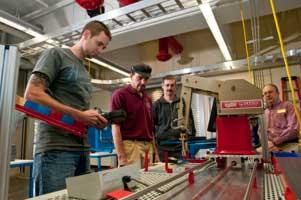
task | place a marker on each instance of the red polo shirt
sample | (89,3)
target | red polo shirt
(139,121)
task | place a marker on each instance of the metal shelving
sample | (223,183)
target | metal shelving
(135,16)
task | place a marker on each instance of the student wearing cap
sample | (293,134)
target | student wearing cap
(134,137)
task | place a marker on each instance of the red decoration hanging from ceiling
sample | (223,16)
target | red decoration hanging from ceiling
(163,54)
(164,45)
(90,4)
(126,2)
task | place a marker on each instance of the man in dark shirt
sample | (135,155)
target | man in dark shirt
(165,110)
(134,137)
(61,82)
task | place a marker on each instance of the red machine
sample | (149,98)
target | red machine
(53,118)
(237,100)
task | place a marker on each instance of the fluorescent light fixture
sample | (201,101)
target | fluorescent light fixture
(38,35)
(109,66)
(20,27)
(228,65)
(212,23)
(110,82)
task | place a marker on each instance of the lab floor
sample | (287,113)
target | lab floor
(18,187)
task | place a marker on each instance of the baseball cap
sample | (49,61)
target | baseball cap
(142,69)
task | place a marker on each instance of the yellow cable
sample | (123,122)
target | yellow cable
(287,69)
(246,45)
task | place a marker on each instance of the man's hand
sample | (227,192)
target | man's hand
(157,158)
(272,147)
(122,160)
(35,91)
(92,118)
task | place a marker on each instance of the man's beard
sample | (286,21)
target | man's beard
(141,88)
(169,92)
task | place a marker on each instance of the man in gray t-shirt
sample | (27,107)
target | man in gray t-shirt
(61,82)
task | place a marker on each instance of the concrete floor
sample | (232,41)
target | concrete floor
(18,187)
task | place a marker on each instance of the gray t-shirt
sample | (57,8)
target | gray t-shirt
(69,83)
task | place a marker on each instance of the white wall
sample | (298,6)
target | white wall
(101,99)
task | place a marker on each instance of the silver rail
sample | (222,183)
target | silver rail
(9,68)
(158,185)
(213,182)
(251,182)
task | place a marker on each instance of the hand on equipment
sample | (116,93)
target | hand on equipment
(92,118)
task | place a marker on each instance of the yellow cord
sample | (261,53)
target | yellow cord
(246,45)
(287,69)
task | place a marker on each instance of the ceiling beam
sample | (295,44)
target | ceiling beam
(11,31)
(16,20)
(45,5)
(3,37)
(45,11)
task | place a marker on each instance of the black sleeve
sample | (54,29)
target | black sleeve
(155,111)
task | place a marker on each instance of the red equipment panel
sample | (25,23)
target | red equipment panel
(233,136)
(54,118)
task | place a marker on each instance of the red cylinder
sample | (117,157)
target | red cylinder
(163,54)
(126,2)
(90,4)
(174,45)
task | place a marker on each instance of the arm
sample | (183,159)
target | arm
(117,103)
(117,137)
(36,92)
(154,144)
(155,123)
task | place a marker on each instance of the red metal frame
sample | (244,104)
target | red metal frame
(233,136)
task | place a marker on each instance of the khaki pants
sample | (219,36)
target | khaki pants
(135,151)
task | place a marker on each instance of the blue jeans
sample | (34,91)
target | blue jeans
(51,168)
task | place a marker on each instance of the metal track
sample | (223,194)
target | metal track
(162,183)
(212,183)
(251,158)
(273,188)
(251,182)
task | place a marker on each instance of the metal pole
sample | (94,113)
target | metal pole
(264,138)
(9,68)
(251,182)
(156,186)
(213,182)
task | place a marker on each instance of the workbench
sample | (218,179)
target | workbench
(25,163)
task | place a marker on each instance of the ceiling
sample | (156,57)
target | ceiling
(62,20)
